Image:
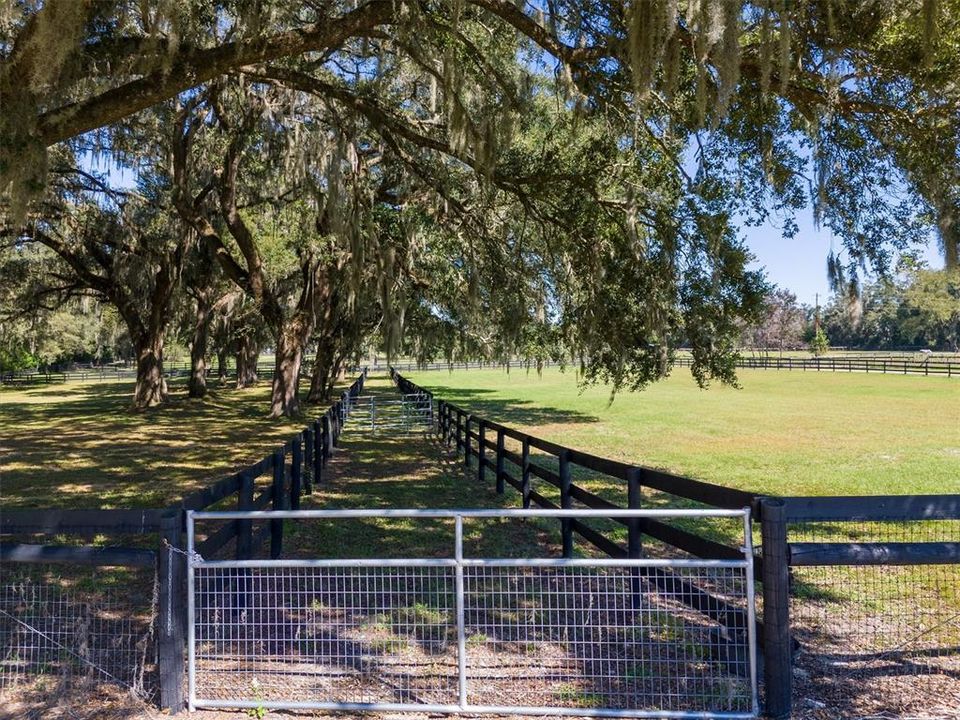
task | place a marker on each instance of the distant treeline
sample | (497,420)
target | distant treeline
(916,309)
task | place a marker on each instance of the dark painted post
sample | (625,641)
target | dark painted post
(566,502)
(634,527)
(245,527)
(525,472)
(296,472)
(308,465)
(327,438)
(482,451)
(459,439)
(276,526)
(172,618)
(634,502)
(466,442)
(499,462)
(777,661)
(318,449)
(338,420)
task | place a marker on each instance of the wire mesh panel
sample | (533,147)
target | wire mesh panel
(79,634)
(881,638)
(410,412)
(567,636)
(582,637)
(342,634)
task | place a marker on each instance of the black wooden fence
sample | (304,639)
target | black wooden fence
(473,436)
(884,365)
(295,468)
(520,364)
(890,365)
(29,378)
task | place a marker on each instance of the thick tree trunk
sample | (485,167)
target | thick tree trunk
(321,380)
(247,355)
(198,348)
(948,219)
(222,365)
(285,397)
(151,388)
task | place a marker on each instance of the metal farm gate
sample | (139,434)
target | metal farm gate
(409,412)
(603,637)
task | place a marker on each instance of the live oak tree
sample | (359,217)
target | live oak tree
(121,250)
(850,106)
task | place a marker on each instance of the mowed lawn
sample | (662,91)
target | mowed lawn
(781,433)
(79,444)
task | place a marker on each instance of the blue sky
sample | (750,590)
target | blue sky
(799,264)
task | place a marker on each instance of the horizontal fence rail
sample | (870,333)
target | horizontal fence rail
(889,366)
(377,413)
(462,633)
(937,365)
(264,371)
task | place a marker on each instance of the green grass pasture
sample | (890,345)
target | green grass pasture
(790,433)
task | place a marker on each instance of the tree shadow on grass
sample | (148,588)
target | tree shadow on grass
(508,411)
(82,445)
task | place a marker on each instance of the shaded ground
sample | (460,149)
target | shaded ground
(79,445)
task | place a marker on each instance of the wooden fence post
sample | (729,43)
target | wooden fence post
(318,451)
(308,464)
(566,502)
(500,462)
(296,472)
(634,502)
(466,442)
(482,451)
(245,527)
(777,650)
(525,472)
(634,527)
(172,613)
(276,526)
(327,437)
(336,423)
(459,431)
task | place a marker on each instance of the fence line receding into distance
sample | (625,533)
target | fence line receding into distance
(927,562)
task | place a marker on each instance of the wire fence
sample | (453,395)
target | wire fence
(573,638)
(397,413)
(449,631)
(63,633)
(878,639)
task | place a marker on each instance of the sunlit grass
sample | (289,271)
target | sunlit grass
(782,433)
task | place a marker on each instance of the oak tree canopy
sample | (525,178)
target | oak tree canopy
(560,177)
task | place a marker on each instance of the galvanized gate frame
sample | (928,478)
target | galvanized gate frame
(459,562)
(403,412)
